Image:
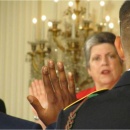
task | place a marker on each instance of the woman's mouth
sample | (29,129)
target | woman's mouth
(105,72)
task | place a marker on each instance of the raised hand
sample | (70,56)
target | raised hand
(37,89)
(60,92)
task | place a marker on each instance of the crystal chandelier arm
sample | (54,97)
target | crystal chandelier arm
(58,43)
(35,66)
(31,54)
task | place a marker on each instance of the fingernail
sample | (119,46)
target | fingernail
(51,64)
(60,65)
(45,70)
(69,73)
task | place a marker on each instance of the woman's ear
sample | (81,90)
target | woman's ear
(89,71)
(119,48)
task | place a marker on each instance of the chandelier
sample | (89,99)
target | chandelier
(66,44)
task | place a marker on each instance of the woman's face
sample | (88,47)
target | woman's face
(105,67)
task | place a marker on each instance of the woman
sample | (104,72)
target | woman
(103,65)
(103,62)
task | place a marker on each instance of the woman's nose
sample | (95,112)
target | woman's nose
(104,61)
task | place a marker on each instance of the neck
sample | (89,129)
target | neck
(104,86)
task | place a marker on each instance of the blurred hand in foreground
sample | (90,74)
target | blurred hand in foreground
(59,89)
(37,90)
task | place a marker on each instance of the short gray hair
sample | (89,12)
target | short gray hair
(96,39)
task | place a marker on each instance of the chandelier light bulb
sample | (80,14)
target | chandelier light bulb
(101,24)
(50,24)
(43,17)
(56,1)
(80,27)
(111,25)
(107,18)
(118,21)
(34,20)
(73,16)
(70,3)
(102,3)
(55,50)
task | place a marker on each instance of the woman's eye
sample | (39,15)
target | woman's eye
(112,56)
(96,58)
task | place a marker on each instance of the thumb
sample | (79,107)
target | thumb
(35,103)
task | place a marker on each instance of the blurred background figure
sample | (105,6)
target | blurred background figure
(2,106)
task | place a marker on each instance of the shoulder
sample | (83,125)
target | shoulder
(69,112)
(2,106)
(1,101)
(10,122)
(93,94)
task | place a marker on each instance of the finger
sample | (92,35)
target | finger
(34,89)
(62,76)
(54,78)
(42,87)
(31,93)
(71,83)
(43,95)
(48,84)
(35,104)
(71,86)
(30,90)
(63,83)
(37,88)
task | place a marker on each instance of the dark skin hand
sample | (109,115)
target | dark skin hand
(60,92)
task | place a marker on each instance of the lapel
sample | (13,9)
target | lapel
(124,80)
